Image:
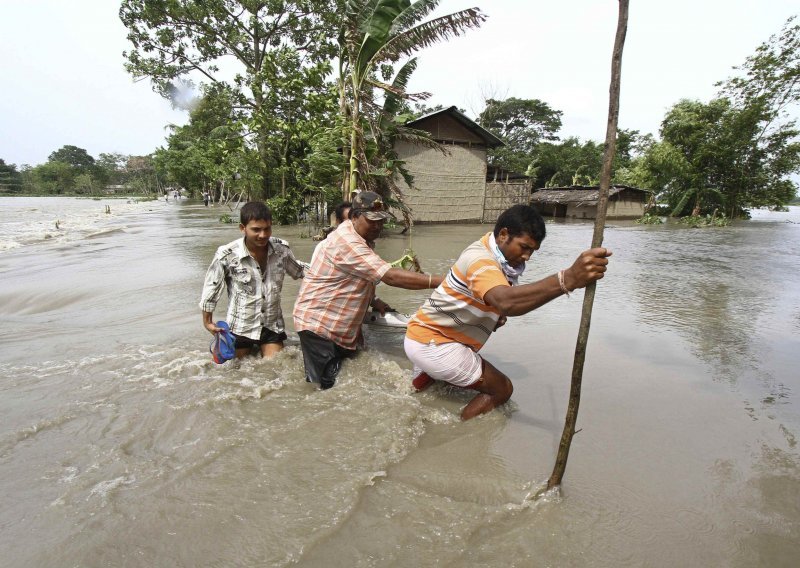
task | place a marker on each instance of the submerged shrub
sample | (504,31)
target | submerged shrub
(700,221)
(649,219)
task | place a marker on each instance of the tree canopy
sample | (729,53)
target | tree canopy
(740,149)
(10,178)
(72,155)
(522,122)
(270,57)
(718,156)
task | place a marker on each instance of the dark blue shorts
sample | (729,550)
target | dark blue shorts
(267,336)
(322,358)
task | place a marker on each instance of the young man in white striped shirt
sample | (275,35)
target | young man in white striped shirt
(252,269)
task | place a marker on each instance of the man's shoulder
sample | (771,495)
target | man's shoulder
(278,243)
(474,252)
(342,238)
(230,250)
(232,246)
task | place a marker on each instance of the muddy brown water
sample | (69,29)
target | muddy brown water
(122,444)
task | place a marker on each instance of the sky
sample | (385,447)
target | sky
(63,80)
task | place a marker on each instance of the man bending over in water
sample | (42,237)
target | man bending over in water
(252,269)
(480,291)
(339,286)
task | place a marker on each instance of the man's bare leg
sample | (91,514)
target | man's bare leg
(269,350)
(494,387)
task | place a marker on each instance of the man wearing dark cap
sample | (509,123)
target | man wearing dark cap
(339,287)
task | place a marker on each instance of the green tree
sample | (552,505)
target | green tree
(718,156)
(522,124)
(84,183)
(766,94)
(301,104)
(76,157)
(10,178)
(740,149)
(770,77)
(141,175)
(82,167)
(376,33)
(211,149)
(111,168)
(177,40)
(570,162)
(54,177)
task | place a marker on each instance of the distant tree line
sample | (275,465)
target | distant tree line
(72,171)
(313,97)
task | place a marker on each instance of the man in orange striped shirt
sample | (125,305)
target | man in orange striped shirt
(480,291)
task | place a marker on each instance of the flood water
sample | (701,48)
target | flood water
(123,444)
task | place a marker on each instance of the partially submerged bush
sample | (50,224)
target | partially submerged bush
(700,221)
(649,219)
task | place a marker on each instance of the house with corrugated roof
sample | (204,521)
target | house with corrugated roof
(580,202)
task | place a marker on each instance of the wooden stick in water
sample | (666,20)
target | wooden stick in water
(597,240)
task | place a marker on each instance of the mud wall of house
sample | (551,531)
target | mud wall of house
(581,211)
(625,208)
(616,210)
(448,188)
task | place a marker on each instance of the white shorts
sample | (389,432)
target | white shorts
(454,362)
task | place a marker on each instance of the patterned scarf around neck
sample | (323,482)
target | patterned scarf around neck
(511,273)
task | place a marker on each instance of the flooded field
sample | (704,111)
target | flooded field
(121,443)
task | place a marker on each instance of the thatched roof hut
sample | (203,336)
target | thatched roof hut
(580,202)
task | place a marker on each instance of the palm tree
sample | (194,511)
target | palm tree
(377,33)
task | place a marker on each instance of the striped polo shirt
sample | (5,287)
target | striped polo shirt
(456,311)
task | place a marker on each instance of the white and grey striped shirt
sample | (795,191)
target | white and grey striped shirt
(254,299)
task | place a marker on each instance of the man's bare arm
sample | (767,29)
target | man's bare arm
(400,278)
(518,300)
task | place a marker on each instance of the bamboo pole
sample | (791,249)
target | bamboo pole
(597,240)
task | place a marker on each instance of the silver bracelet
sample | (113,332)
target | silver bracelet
(561,283)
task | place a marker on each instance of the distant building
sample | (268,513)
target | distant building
(580,202)
(453,188)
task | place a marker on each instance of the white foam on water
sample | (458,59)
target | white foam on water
(104,488)
(61,219)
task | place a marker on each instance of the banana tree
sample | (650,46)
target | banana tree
(376,33)
(387,126)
